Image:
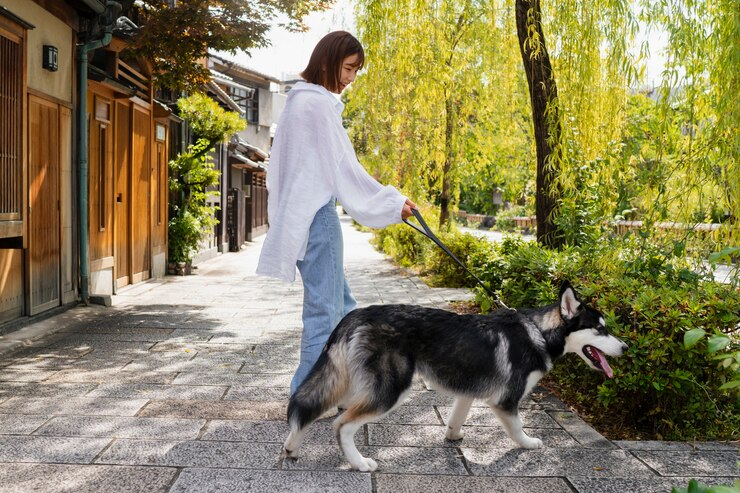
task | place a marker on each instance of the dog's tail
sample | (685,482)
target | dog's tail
(324,386)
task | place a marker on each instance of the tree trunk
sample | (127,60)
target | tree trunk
(444,199)
(543,96)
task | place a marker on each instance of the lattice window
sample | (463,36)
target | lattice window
(11,126)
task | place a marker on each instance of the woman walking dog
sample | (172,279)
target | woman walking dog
(312,164)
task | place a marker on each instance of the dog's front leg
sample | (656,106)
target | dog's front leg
(460,410)
(513,426)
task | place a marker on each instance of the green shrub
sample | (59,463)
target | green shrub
(663,388)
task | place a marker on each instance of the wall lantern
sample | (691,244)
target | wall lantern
(50,57)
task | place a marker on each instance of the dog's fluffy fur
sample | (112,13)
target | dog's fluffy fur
(370,359)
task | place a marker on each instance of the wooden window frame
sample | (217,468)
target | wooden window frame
(13,133)
(103,121)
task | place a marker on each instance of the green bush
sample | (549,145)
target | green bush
(663,387)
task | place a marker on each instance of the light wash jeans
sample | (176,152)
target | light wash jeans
(326,294)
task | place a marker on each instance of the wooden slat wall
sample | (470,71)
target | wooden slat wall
(122,196)
(11,284)
(140,194)
(44,218)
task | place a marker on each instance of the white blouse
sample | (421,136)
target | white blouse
(312,161)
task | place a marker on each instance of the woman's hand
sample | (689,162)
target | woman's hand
(406,211)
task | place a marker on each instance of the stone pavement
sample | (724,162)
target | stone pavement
(182,386)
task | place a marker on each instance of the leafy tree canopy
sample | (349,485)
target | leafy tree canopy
(175,36)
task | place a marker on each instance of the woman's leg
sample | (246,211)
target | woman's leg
(326,295)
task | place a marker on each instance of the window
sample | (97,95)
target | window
(250,105)
(11,129)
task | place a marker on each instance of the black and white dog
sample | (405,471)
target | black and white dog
(370,359)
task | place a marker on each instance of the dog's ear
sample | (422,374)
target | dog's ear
(569,302)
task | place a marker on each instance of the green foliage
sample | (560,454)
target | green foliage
(697,487)
(193,175)
(678,379)
(175,38)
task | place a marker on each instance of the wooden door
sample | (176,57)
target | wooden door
(44,234)
(122,195)
(140,195)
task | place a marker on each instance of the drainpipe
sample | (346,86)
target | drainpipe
(112,10)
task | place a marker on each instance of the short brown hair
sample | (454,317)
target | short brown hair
(325,64)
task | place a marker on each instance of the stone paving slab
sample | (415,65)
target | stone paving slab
(198,480)
(408,483)
(21,424)
(321,432)
(274,411)
(119,427)
(475,436)
(554,462)
(260,380)
(641,485)
(483,416)
(410,460)
(50,449)
(59,390)
(696,464)
(16,375)
(578,429)
(193,454)
(58,478)
(73,406)
(160,392)
(111,376)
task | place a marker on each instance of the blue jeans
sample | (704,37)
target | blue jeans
(326,294)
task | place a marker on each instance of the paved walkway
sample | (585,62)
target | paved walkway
(182,386)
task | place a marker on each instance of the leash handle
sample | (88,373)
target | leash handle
(426,231)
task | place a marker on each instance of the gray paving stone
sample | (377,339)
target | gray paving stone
(20,424)
(412,415)
(61,390)
(59,478)
(483,416)
(475,436)
(697,464)
(641,485)
(188,365)
(123,427)
(74,405)
(11,375)
(243,393)
(198,347)
(554,462)
(271,380)
(403,483)
(193,454)
(581,431)
(320,432)
(409,460)
(214,410)
(651,445)
(251,481)
(160,392)
(111,376)
(50,449)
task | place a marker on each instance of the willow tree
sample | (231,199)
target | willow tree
(429,91)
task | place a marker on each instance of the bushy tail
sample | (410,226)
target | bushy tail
(323,389)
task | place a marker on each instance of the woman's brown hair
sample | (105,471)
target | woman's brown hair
(324,66)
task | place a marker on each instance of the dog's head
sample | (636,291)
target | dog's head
(586,333)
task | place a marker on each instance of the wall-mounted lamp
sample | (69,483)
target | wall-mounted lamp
(50,57)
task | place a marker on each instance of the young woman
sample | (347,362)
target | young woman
(312,164)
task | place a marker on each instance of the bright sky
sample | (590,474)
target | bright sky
(290,52)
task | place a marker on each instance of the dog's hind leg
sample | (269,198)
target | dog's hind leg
(457,418)
(513,426)
(346,425)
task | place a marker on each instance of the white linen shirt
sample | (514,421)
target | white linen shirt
(313,161)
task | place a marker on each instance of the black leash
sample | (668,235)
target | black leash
(428,233)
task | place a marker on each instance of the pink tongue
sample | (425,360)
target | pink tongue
(604,365)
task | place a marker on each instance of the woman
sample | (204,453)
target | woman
(312,164)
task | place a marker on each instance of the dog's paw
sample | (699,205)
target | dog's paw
(454,435)
(531,443)
(289,454)
(366,465)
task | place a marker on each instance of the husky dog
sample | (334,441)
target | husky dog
(370,359)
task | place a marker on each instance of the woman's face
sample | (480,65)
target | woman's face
(348,72)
